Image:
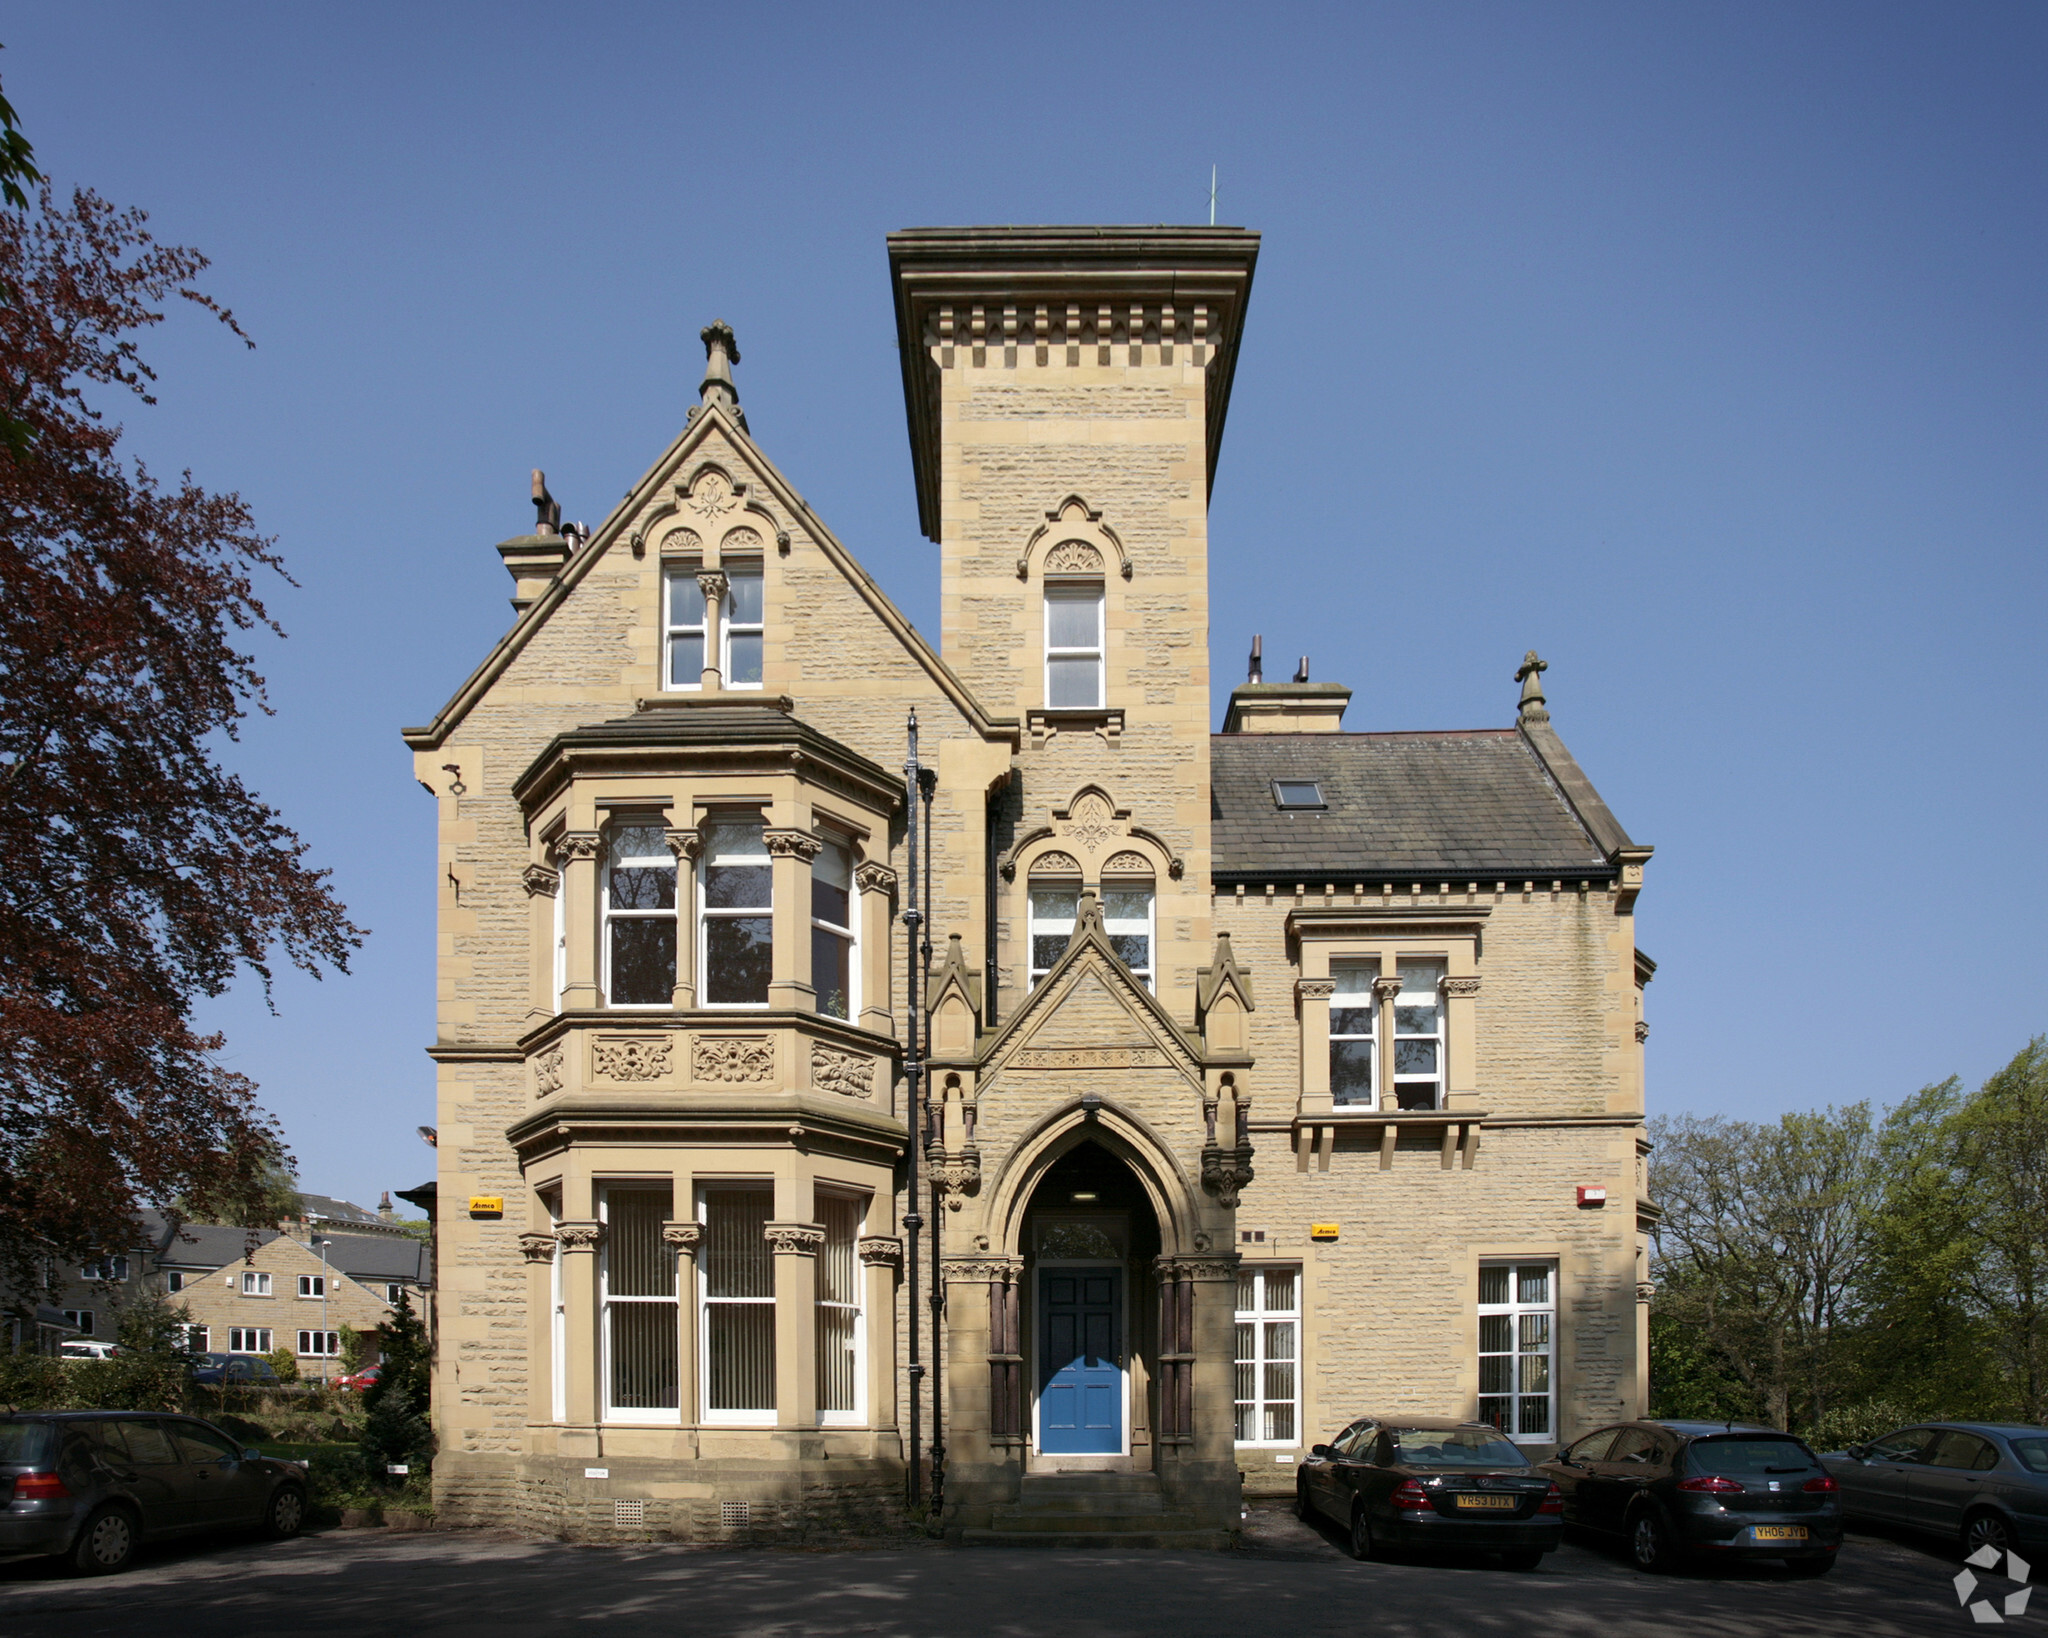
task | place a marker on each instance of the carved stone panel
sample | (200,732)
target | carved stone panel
(547,1071)
(852,1073)
(732,1058)
(1103,1057)
(631,1057)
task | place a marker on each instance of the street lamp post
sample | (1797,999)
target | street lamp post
(327,1368)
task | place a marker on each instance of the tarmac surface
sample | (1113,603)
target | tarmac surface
(1287,1579)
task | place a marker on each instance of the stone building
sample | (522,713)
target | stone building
(1275,1075)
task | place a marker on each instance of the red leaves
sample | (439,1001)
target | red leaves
(138,874)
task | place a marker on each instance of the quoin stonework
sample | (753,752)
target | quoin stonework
(1276,1076)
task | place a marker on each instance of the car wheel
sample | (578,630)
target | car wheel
(1649,1542)
(1810,1567)
(1526,1558)
(1304,1509)
(1362,1544)
(106,1546)
(1985,1529)
(286,1513)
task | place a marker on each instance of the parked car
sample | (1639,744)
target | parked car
(358,1381)
(1408,1481)
(235,1371)
(1983,1483)
(87,1350)
(1716,1489)
(90,1486)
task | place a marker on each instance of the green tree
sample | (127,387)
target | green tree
(397,1421)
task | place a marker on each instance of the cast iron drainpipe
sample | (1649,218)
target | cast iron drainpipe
(913,1071)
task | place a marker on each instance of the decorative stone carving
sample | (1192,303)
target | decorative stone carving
(875,878)
(732,1058)
(1646,1291)
(680,540)
(1056,864)
(794,1239)
(1092,820)
(881,1251)
(584,1236)
(741,539)
(851,1073)
(1642,1031)
(1073,557)
(1107,1057)
(684,844)
(539,881)
(799,844)
(712,584)
(713,497)
(1461,986)
(578,844)
(684,1238)
(1127,864)
(1315,989)
(955,1176)
(537,1248)
(547,1071)
(1385,988)
(1225,1172)
(631,1057)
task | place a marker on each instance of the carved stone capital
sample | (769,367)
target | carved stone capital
(537,1248)
(1225,1172)
(955,1175)
(712,583)
(580,1236)
(684,844)
(1642,1031)
(1645,1290)
(794,1239)
(1385,988)
(1315,989)
(540,881)
(785,844)
(881,1251)
(850,1073)
(1222,1267)
(573,846)
(1461,986)
(683,1237)
(875,878)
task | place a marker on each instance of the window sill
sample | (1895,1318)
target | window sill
(1048,723)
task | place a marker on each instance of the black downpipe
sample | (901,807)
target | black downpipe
(994,815)
(913,1074)
(928,782)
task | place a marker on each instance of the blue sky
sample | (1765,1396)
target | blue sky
(1699,347)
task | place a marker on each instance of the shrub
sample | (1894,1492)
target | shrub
(285,1363)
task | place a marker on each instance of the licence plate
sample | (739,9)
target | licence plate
(1503,1503)
(1779,1532)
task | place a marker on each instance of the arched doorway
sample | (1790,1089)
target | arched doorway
(1090,1243)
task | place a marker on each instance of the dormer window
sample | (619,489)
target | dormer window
(1073,647)
(1297,793)
(741,635)
(685,629)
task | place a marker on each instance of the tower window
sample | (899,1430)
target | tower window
(1073,647)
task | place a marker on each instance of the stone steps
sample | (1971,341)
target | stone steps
(1093,1510)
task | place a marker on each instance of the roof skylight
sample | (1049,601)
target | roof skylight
(1297,793)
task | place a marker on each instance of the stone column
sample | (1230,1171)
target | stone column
(713,585)
(791,853)
(1312,995)
(876,884)
(1384,989)
(684,1237)
(796,1247)
(1210,1458)
(542,884)
(577,854)
(881,1257)
(538,1247)
(580,1241)
(1461,1039)
(685,845)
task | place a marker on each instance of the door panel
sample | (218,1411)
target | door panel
(231,1491)
(1949,1479)
(152,1474)
(1880,1487)
(1080,1364)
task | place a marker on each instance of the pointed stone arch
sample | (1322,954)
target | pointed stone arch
(1175,1199)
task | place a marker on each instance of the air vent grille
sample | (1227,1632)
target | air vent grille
(733,1513)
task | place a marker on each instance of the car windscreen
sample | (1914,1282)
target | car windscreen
(1454,1447)
(2033,1454)
(24,1444)
(1751,1455)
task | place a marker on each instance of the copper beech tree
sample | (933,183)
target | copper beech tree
(137,875)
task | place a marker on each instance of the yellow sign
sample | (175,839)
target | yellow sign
(481,1205)
(1322,1231)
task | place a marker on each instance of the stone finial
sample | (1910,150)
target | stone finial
(1530,676)
(721,353)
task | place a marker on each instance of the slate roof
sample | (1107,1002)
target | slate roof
(378,1257)
(1477,804)
(209,1245)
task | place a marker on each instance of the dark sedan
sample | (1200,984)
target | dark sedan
(90,1486)
(1718,1489)
(235,1371)
(1406,1482)
(1984,1484)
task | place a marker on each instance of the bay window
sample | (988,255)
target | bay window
(1268,1356)
(1517,1348)
(736,926)
(834,967)
(1419,1035)
(639,915)
(637,1290)
(1354,1035)
(839,1314)
(1073,647)
(737,1275)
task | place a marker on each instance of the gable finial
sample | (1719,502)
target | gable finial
(721,353)
(1530,676)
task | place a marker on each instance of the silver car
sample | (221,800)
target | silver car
(1984,1484)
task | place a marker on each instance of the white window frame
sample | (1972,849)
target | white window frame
(857,1416)
(313,1285)
(728,627)
(1524,1317)
(671,630)
(255,1283)
(331,1339)
(850,933)
(558,1326)
(1367,967)
(105,1270)
(755,1416)
(1437,1082)
(706,914)
(85,1319)
(1146,973)
(253,1340)
(174,1280)
(616,823)
(560,962)
(1033,925)
(198,1338)
(1075,591)
(633,1415)
(1258,1317)
(391,1291)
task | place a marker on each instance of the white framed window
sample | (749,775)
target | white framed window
(1354,1035)
(83,1318)
(685,628)
(312,1285)
(560,975)
(637,1290)
(739,633)
(255,1283)
(1053,908)
(197,1339)
(1518,1348)
(1268,1356)
(105,1270)
(248,1339)
(1073,646)
(1127,920)
(391,1290)
(842,1340)
(174,1280)
(320,1344)
(558,1325)
(1419,1035)
(639,915)
(736,1281)
(835,963)
(736,925)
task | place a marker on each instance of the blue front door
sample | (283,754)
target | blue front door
(1080,1361)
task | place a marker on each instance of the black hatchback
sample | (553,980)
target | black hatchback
(90,1486)
(1399,1482)
(1718,1489)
